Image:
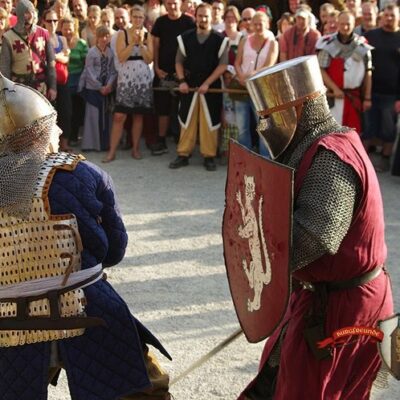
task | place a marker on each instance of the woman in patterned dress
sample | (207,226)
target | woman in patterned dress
(134,87)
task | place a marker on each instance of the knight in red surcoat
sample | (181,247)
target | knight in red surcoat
(338,244)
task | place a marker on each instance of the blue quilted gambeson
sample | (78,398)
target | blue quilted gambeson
(104,363)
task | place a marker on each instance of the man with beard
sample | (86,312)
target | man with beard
(60,225)
(338,247)
(369,14)
(345,61)
(201,59)
(27,55)
(80,13)
(165,31)
(300,39)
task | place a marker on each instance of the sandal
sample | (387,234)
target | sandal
(137,155)
(107,160)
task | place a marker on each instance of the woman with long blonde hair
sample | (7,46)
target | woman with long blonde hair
(93,22)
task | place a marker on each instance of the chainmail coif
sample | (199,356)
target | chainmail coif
(324,207)
(21,157)
(316,121)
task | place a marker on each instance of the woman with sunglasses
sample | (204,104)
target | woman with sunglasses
(61,52)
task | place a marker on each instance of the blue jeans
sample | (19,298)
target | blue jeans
(382,118)
(244,110)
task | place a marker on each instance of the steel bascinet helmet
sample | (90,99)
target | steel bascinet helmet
(27,132)
(278,93)
(20,106)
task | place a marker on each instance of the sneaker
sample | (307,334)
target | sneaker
(159,149)
(179,162)
(209,164)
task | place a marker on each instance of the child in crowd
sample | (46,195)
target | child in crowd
(96,83)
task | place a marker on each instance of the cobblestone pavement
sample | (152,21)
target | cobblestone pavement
(173,275)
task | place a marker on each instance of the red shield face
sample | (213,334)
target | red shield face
(257,236)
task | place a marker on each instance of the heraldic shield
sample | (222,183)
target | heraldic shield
(389,348)
(257,228)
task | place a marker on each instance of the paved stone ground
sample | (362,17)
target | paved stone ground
(173,275)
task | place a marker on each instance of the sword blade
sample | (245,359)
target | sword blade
(207,356)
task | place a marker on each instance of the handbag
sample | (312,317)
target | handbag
(61,73)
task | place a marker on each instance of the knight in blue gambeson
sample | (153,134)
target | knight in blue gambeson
(60,226)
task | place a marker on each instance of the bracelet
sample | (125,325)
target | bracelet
(182,80)
(367,99)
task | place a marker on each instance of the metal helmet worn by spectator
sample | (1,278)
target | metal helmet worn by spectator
(279,93)
(28,131)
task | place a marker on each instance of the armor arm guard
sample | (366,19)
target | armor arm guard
(324,208)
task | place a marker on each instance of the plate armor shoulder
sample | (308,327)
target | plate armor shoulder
(41,246)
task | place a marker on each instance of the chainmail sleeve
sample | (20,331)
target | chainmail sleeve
(51,69)
(5,58)
(324,208)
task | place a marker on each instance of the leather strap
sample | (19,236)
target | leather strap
(49,324)
(294,103)
(357,281)
(343,285)
(23,321)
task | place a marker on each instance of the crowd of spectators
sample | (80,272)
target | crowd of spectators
(100,61)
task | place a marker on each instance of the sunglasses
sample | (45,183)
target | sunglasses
(51,20)
(246,19)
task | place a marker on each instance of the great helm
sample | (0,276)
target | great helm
(20,107)
(278,93)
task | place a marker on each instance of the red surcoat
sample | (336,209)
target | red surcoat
(351,371)
(352,105)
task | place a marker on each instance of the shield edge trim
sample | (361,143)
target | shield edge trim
(289,242)
(379,347)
